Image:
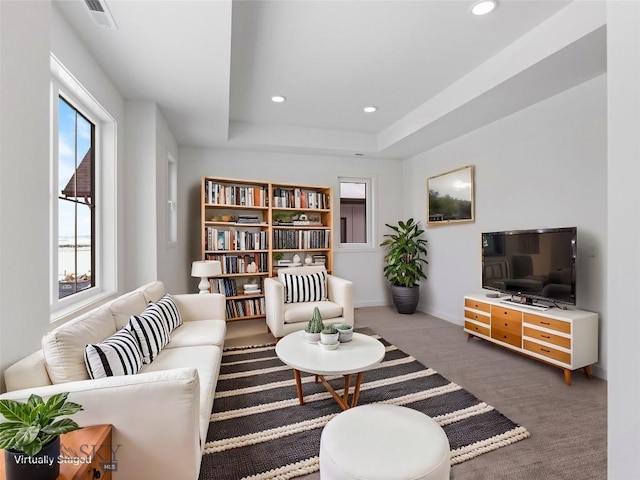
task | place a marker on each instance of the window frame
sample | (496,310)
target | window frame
(64,84)
(370,212)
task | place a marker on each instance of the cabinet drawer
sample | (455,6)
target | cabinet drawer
(476,316)
(547,352)
(559,325)
(547,337)
(477,328)
(506,336)
(485,307)
(505,313)
(512,325)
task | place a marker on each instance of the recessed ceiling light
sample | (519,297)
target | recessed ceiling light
(278,99)
(370,109)
(483,7)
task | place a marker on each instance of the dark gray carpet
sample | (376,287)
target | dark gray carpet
(258,430)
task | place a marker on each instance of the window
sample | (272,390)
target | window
(355,211)
(83,197)
(172,195)
(76,200)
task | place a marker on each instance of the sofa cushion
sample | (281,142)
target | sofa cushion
(198,332)
(152,291)
(63,348)
(169,310)
(117,355)
(123,307)
(304,288)
(301,312)
(206,359)
(150,331)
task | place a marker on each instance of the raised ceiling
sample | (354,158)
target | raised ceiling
(433,70)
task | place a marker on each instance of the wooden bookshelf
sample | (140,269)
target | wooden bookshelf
(246,222)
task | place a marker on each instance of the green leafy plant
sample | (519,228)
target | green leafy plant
(33,424)
(315,325)
(277,256)
(405,252)
(330,330)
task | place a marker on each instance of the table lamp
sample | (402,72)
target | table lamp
(204,270)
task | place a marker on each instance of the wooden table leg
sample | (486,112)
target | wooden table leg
(345,395)
(587,371)
(296,375)
(567,376)
(336,397)
(356,390)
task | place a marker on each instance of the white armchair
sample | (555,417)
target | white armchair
(286,317)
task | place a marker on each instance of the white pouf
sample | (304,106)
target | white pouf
(383,442)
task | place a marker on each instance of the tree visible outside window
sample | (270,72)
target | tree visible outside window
(76,201)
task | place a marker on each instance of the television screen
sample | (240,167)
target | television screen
(534,264)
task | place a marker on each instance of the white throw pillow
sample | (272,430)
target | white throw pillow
(167,307)
(305,288)
(150,331)
(117,355)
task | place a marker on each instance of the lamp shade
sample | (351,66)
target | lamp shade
(208,268)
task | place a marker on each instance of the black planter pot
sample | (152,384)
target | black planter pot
(405,298)
(42,466)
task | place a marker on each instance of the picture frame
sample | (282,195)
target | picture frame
(450,197)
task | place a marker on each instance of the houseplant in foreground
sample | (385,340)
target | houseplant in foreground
(31,435)
(404,263)
(314,327)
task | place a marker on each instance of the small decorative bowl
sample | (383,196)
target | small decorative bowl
(227,218)
(328,346)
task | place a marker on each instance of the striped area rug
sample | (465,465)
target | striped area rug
(258,430)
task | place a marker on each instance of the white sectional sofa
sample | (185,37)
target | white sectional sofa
(160,415)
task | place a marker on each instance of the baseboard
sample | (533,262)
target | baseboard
(371,303)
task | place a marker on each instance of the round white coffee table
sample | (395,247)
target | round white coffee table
(356,356)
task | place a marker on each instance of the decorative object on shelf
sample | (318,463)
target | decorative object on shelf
(228,218)
(31,435)
(404,259)
(308,260)
(216,218)
(204,270)
(252,267)
(296,258)
(314,327)
(345,332)
(329,335)
(450,197)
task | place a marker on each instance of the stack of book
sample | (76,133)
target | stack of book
(251,288)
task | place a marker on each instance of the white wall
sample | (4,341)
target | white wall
(545,166)
(24,177)
(363,265)
(623,52)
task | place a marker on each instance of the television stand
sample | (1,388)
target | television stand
(531,306)
(567,339)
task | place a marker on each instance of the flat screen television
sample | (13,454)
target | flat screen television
(536,264)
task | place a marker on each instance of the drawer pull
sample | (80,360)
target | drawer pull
(504,336)
(506,324)
(96,473)
(545,350)
(545,323)
(545,336)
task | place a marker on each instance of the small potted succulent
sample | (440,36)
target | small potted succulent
(31,433)
(329,335)
(345,332)
(314,327)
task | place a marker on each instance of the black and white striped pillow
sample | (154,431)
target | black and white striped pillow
(117,355)
(151,332)
(305,288)
(169,310)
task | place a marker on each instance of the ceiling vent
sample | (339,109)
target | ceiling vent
(100,14)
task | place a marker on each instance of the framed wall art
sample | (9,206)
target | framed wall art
(450,197)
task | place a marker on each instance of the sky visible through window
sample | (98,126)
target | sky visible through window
(74,214)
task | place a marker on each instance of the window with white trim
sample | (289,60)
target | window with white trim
(83,196)
(356,212)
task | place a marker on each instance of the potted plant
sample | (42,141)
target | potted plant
(31,435)
(345,332)
(314,327)
(329,335)
(404,259)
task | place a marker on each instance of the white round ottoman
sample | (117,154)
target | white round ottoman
(383,442)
